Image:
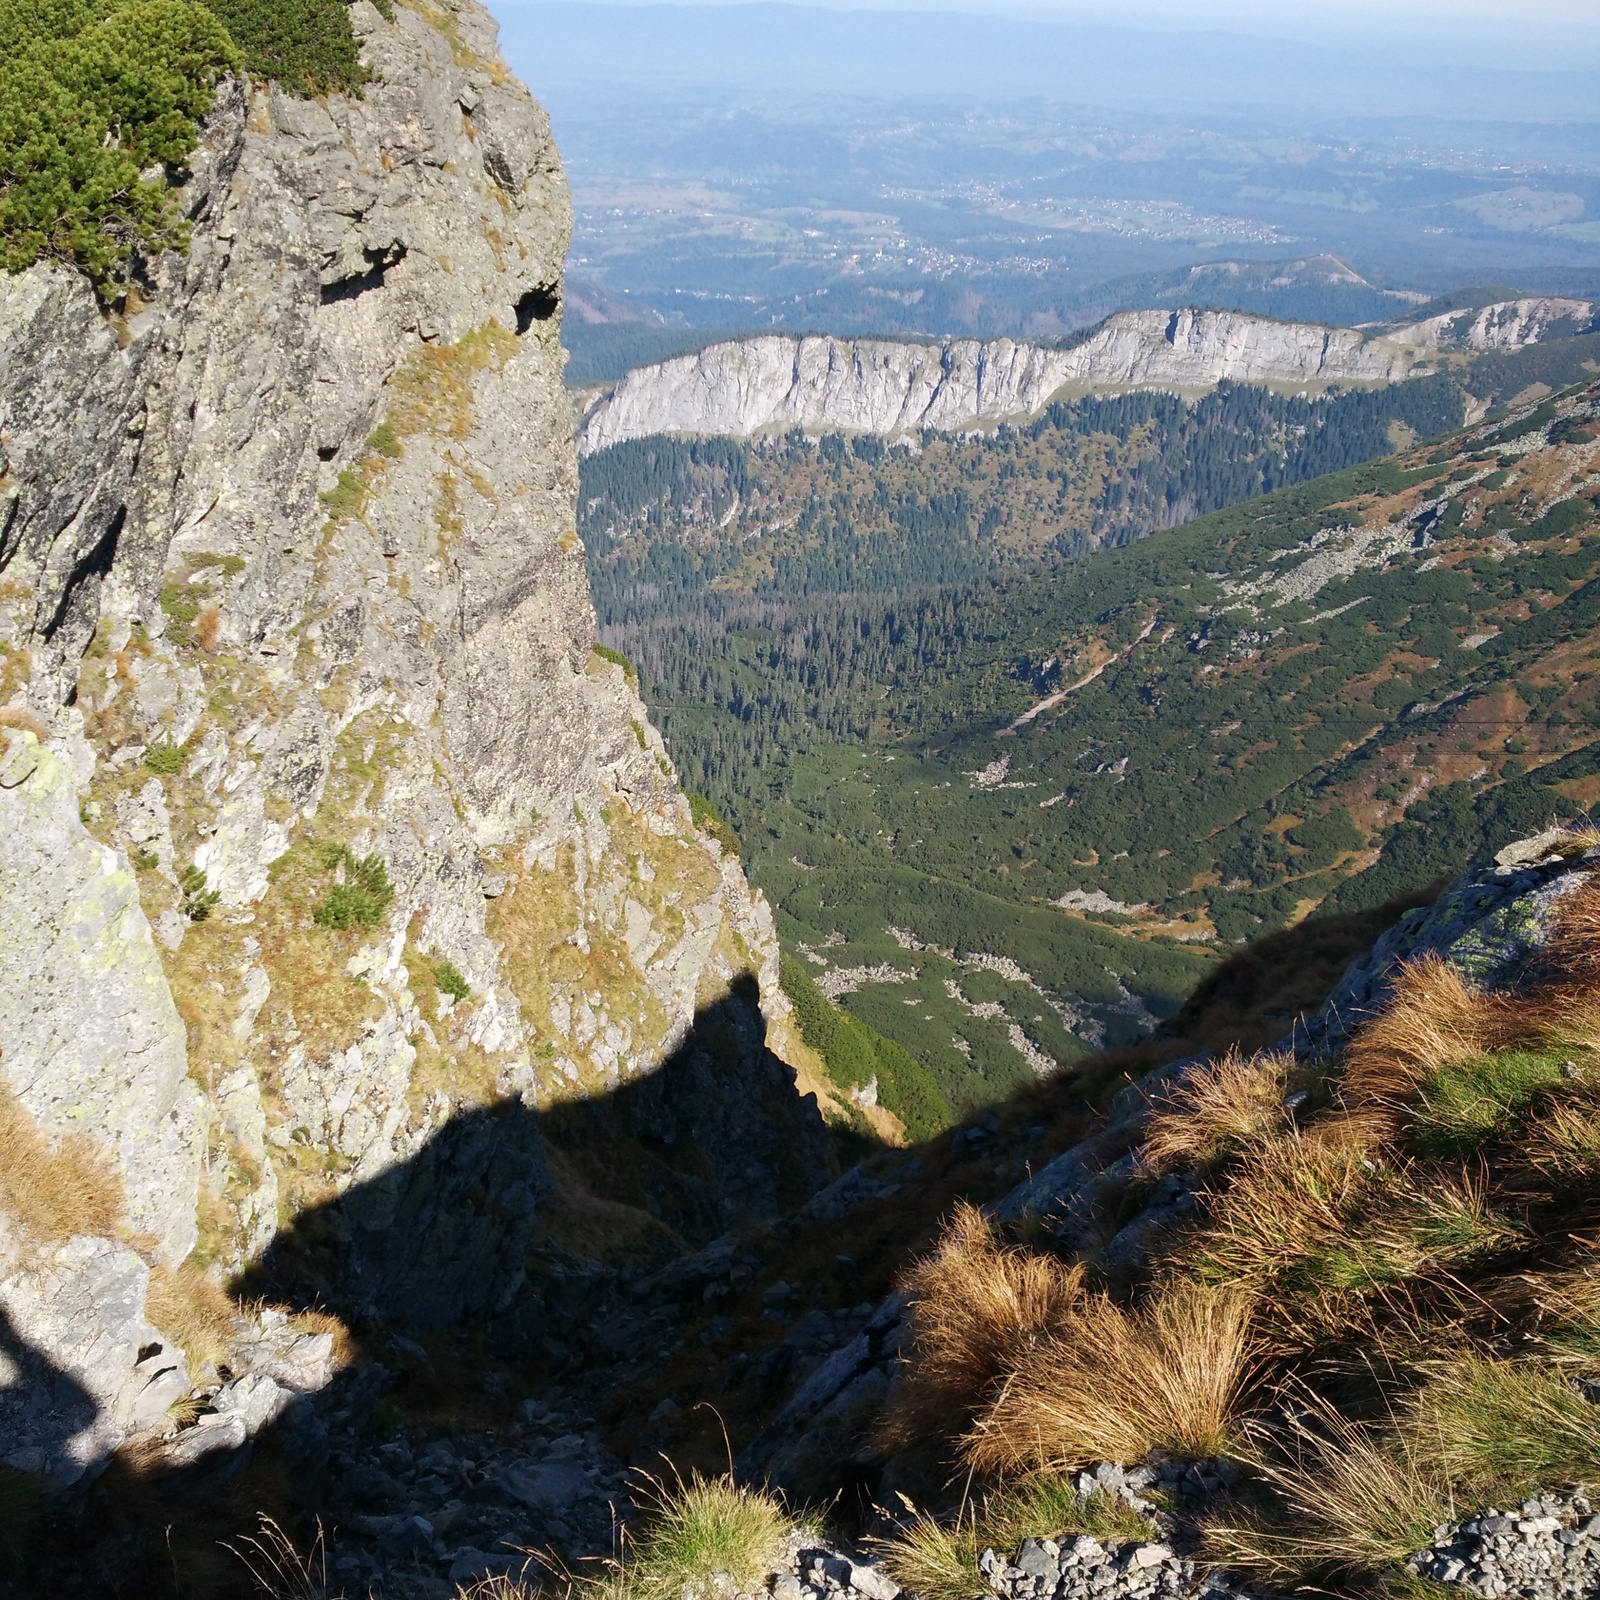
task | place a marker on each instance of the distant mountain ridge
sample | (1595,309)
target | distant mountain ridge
(774,382)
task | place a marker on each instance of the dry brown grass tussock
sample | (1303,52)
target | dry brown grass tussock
(1231,1104)
(24,720)
(346,1348)
(978,1307)
(52,1187)
(1116,1384)
(192,1311)
(1572,944)
(1434,1019)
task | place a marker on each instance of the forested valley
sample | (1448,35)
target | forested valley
(1015,776)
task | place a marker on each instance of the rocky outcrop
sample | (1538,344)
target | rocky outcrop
(1505,325)
(91,1039)
(750,386)
(331,856)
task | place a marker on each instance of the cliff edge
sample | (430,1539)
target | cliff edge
(323,829)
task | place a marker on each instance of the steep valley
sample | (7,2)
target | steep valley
(1160,1160)
(1008,821)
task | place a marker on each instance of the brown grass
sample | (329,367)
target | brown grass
(21,718)
(193,1312)
(1572,946)
(208,628)
(1434,1019)
(346,1348)
(54,1187)
(978,1309)
(1115,1384)
(1227,1106)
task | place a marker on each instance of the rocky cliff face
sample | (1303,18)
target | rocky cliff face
(324,836)
(748,386)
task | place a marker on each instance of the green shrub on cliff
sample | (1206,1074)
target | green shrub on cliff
(97,104)
(306,45)
(100,107)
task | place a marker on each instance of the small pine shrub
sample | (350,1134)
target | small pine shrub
(100,107)
(197,898)
(362,899)
(450,981)
(92,97)
(856,1054)
(307,45)
(165,758)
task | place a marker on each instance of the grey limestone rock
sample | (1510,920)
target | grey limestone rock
(81,1370)
(91,1040)
(775,382)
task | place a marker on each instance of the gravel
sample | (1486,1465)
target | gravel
(1544,1549)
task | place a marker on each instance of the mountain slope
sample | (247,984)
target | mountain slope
(1320,698)
(333,859)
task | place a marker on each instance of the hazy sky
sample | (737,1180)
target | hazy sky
(1553,33)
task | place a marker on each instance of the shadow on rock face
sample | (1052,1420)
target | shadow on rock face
(47,1418)
(448,1240)
(714,1136)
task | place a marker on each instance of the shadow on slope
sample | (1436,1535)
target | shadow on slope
(454,1242)
(754,1330)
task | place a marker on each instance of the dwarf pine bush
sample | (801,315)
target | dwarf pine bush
(100,108)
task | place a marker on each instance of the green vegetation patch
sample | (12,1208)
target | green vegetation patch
(617,659)
(448,977)
(92,96)
(165,757)
(362,899)
(857,1054)
(707,818)
(1471,1101)
(101,104)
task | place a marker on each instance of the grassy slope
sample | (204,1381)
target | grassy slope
(1239,760)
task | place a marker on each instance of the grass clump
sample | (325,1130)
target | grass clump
(1347,1497)
(938,1560)
(193,1312)
(1228,1106)
(1470,1101)
(698,1534)
(165,758)
(386,441)
(1504,1429)
(978,1309)
(1116,1384)
(52,1187)
(1047,1373)
(181,606)
(362,896)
